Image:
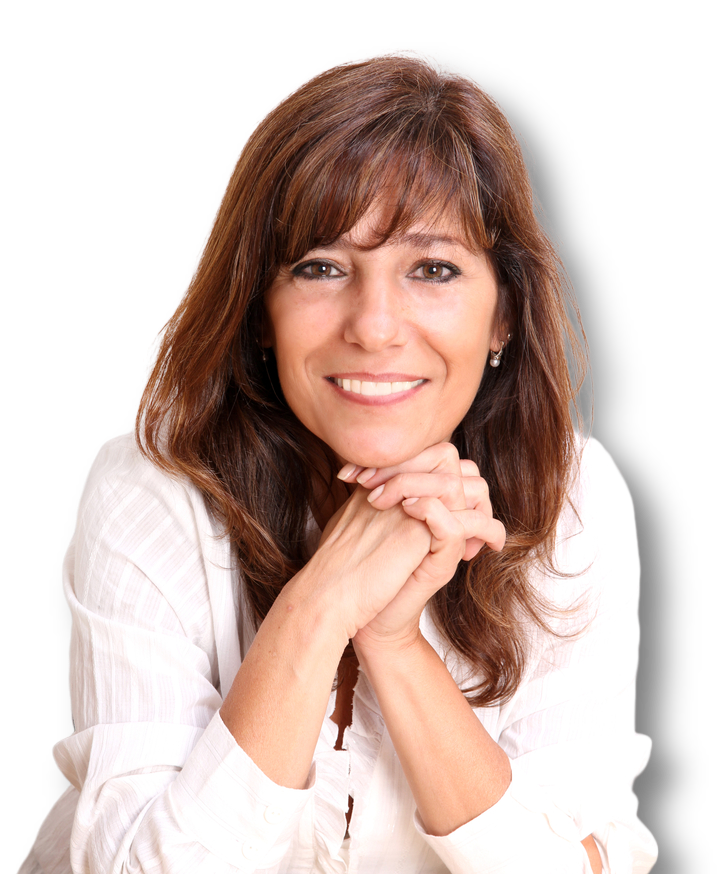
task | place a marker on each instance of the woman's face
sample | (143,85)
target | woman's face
(380,353)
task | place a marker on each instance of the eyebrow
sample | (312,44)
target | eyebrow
(419,239)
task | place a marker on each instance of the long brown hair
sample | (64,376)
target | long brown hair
(213,411)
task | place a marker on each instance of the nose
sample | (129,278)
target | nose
(375,319)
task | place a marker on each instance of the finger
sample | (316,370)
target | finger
(468,467)
(464,524)
(451,540)
(440,458)
(477,494)
(455,492)
(472,548)
(447,487)
(447,546)
(350,472)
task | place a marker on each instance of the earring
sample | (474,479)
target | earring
(263,355)
(496,356)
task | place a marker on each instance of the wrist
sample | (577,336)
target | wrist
(304,603)
(389,652)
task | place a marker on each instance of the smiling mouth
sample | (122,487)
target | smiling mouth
(375,389)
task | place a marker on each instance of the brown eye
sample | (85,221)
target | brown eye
(316,270)
(432,271)
(320,269)
(436,271)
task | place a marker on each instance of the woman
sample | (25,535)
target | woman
(356,470)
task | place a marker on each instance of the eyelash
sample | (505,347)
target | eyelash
(300,270)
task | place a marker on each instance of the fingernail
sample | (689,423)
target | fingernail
(366,475)
(347,471)
(375,494)
(409,501)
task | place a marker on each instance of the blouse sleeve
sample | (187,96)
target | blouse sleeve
(162,785)
(569,730)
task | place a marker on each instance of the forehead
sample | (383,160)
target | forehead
(378,227)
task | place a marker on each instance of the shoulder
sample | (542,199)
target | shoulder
(143,537)
(126,492)
(601,505)
(120,471)
(596,550)
(598,484)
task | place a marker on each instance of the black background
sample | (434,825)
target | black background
(131,155)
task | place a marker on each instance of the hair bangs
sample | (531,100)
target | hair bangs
(414,176)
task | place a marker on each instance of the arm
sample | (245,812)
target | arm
(278,699)
(277,702)
(158,779)
(579,709)
(456,771)
(160,776)
(454,768)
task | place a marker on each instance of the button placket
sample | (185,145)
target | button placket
(272,815)
(251,850)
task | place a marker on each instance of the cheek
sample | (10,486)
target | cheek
(298,322)
(290,359)
(296,337)
(287,333)
(463,337)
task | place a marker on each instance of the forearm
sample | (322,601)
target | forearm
(454,768)
(277,702)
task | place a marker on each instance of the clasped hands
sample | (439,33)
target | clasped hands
(399,538)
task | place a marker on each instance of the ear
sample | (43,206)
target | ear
(500,339)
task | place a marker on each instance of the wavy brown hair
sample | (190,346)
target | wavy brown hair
(428,144)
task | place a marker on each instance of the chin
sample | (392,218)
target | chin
(382,454)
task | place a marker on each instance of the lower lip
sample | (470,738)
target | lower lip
(376,400)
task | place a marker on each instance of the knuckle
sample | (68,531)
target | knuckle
(429,504)
(454,527)
(449,453)
(452,483)
(403,485)
(469,468)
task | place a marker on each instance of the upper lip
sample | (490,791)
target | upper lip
(363,376)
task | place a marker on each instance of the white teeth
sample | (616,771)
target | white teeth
(369,389)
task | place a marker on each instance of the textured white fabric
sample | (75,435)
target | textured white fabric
(157,783)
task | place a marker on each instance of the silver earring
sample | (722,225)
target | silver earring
(263,355)
(496,356)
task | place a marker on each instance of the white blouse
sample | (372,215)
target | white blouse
(157,782)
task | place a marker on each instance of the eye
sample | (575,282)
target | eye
(316,270)
(436,271)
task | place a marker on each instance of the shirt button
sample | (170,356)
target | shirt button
(272,814)
(250,850)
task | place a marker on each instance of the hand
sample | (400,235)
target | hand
(450,496)
(364,557)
